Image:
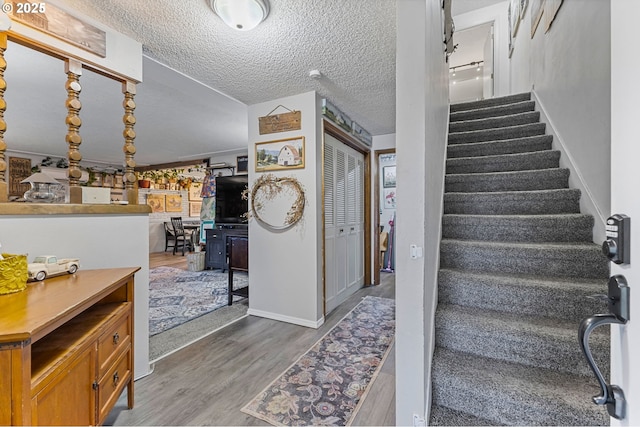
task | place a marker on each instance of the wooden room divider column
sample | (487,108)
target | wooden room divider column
(73,104)
(4,187)
(129,90)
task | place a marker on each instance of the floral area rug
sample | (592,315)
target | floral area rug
(327,384)
(177,296)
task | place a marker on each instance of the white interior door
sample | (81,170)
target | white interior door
(625,188)
(344,221)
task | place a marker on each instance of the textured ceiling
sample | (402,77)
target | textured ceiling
(352,42)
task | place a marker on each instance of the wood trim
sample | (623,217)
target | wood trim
(376,208)
(71,209)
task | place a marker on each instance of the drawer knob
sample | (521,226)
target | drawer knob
(116,378)
(116,338)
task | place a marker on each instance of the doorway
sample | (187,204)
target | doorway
(471,64)
(384,212)
(347,236)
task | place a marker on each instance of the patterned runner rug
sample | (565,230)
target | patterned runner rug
(327,384)
(177,296)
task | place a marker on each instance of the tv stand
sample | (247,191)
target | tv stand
(217,245)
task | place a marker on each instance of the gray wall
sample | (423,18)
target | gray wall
(421,124)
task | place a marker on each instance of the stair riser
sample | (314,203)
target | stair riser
(495,122)
(503,110)
(518,230)
(510,295)
(530,161)
(559,352)
(492,148)
(542,261)
(500,134)
(492,102)
(517,181)
(558,202)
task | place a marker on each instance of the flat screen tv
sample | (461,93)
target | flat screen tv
(230,207)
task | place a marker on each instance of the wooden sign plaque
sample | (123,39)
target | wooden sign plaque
(280,122)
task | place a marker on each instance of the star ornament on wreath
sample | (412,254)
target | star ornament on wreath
(276,203)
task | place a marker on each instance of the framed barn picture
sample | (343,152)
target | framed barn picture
(280,154)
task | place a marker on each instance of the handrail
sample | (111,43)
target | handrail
(618,303)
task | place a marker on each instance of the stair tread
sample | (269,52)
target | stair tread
(523,140)
(496,129)
(519,118)
(504,322)
(540,245)
(499,100)
(492,387)
(585,283)
(506,156)
(489,175)
(493,111)
(443,416)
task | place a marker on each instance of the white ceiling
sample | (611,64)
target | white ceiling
(200,76)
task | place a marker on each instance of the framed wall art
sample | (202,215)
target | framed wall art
(173,203)
(389,176)
(194,208)
(195,189)
(280,154)
(156,201)
(389,198)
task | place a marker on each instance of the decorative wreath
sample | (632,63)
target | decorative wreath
(268,187)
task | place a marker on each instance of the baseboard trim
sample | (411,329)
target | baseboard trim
(576,180)
(287,319)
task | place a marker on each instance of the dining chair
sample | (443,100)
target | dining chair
(184,240)
(169,237)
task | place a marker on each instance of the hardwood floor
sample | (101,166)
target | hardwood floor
(158,259)
(209,381)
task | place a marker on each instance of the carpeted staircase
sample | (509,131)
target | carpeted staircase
(517,266)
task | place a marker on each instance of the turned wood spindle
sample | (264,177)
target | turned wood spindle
(4,187)
(129,120)
(73,121)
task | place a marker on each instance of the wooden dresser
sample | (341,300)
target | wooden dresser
(66,348)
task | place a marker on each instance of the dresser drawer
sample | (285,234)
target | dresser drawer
(111,342)
(111,385)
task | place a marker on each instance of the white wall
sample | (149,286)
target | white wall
(285,268)
(625,180)
(100,241)
(569,70)
(421,123)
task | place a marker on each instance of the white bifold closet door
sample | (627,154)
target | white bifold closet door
(343,221)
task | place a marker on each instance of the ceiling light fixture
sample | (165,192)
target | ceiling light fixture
(243,15)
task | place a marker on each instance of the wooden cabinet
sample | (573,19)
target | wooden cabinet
(66,348)
(217,244)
